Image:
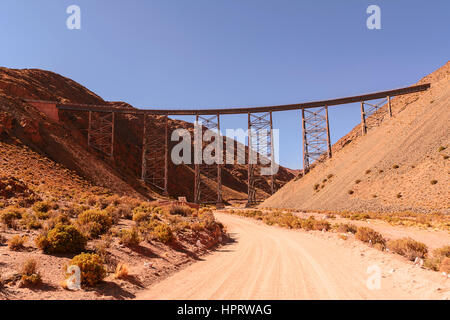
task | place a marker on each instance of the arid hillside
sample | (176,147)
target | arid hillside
(402,164)
(66,142)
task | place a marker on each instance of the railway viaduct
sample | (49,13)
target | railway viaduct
(155,151)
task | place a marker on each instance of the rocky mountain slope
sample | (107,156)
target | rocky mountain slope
(401,164)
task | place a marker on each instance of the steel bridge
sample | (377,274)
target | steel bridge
(155,151)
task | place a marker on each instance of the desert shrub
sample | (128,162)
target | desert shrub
(432,263)
(207,220)
(398,195)
(290,221)
(357,181)
(439,255)
(17,243)
(57,218)
(350,192)
(321,225)
(29,221)
(121,271)
(29,273)
(316,187)
(144,212)
(42,215)
(94,222)
(9,215)
(62,239)
(114,214)
(366,234)
(125,211)
(395,166)
(445,266)
(433,181)
(330,216)
(130,237)
(442,252)
(163,233)
(91,267)
(408,248)
(308,224)
(347,227)
(41,207)
(181,210)
(368,171)
(441,148)
(359,216)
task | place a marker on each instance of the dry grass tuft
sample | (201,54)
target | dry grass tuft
(408,248)
(122,271)
(369,235)
(17,243)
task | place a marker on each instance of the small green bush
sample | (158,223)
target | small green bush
(366,234)
(91,267)
(408,248)
(62,239)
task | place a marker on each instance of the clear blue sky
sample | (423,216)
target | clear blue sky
(229,53)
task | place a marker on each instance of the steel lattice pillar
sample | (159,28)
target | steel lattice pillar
(101,131)
(316,135)
(206,175)
(155,153)
(260,153)
(372,114)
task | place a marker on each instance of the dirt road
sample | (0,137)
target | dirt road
(272,263)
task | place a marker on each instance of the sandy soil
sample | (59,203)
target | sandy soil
(273,263)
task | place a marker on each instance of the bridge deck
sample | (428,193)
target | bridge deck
(296,106)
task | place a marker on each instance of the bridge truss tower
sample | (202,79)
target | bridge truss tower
(372,114)
(208,177)
(155,152)
(316,135)
(260,152)
(101,131)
